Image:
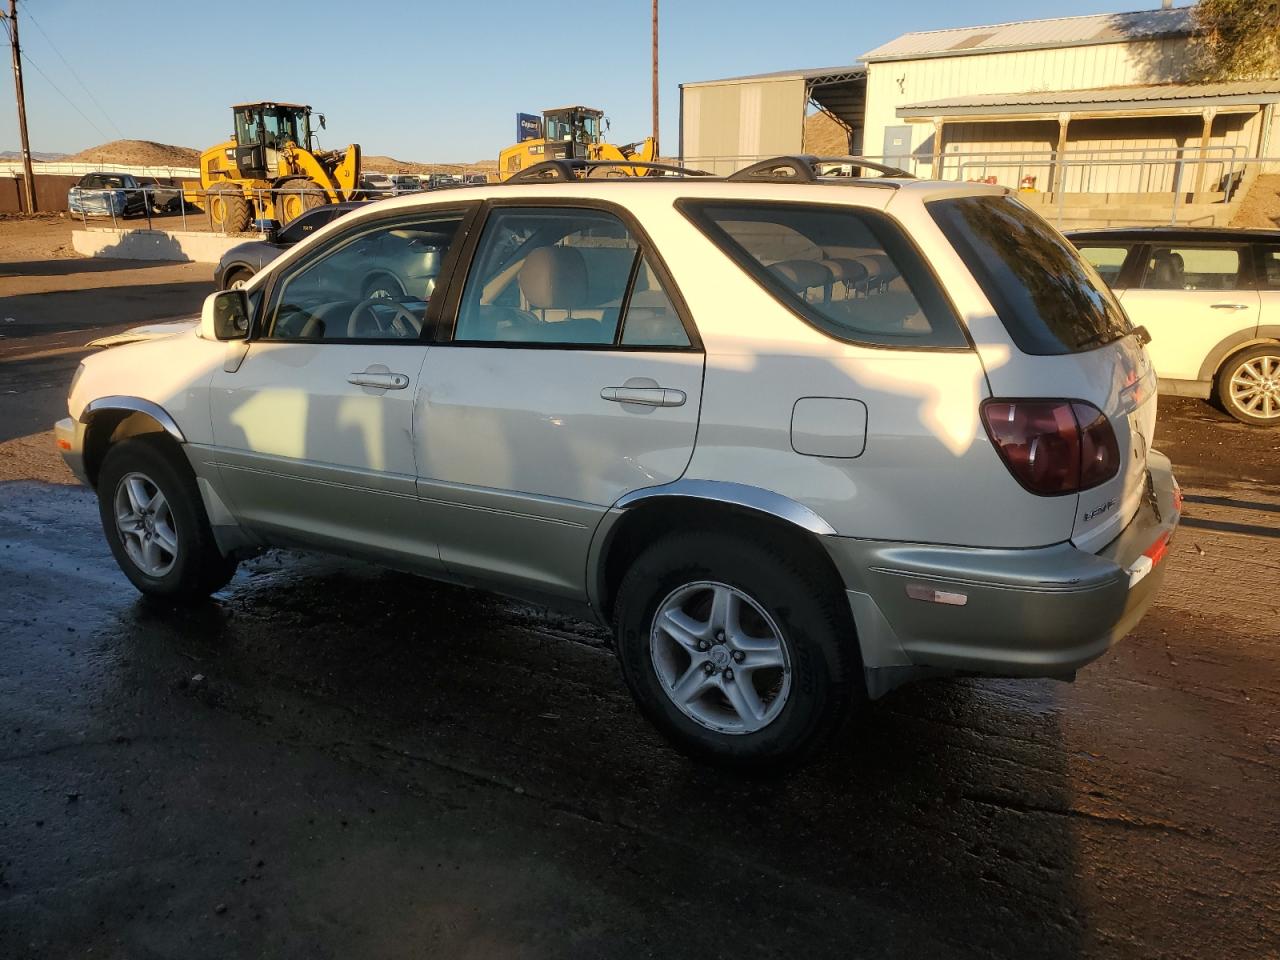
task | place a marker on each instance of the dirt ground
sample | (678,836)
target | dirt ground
(1261,206)
(329,760)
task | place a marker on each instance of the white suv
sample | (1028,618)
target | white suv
(796,440)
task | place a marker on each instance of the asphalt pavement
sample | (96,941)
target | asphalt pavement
(331,760)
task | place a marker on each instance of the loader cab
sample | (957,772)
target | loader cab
(262,130)
(578,127)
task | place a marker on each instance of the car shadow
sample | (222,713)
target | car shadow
(945,807)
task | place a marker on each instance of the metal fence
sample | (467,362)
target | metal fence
(1181,180)
(179,206)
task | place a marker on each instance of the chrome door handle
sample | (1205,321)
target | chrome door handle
(380,381)
(646,396)
(1230,306)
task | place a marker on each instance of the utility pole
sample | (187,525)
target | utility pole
(29,178)
(654,77)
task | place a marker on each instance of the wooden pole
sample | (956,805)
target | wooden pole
(1057,178)
(29,185)
(655,78)
(1206,137)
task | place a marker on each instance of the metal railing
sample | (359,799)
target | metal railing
(1150,176)
(171,204)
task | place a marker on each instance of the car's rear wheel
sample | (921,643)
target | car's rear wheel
(738,651)
(1249,385)
(155,521)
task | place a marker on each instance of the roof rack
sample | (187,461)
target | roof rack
(578,169)
(805,168)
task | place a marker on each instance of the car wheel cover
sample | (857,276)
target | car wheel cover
(720,658)
(144,521)
(1255,387)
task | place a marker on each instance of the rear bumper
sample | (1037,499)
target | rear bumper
(68,434)
(1040,612)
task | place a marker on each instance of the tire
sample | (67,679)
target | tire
(290,206)
(237,278)
(801,698)
(229,210)
(172,556)
(382,285)
(1249,385)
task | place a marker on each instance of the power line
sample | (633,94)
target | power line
(27,7)
(58,90)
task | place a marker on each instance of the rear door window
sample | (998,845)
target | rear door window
(1049,297)
(851,273)
(1187,267)
(567,277)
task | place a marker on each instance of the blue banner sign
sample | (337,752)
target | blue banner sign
(528,127)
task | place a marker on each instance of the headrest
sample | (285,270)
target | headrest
(800,275)
(554,277)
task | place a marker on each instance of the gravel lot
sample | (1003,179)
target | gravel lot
(329,760)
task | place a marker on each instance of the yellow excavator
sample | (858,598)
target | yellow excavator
(272,169)
(569,133)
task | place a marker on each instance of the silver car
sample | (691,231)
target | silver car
(795,440)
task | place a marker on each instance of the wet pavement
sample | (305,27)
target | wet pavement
(330,760)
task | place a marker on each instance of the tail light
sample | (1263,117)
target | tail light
(1053,446)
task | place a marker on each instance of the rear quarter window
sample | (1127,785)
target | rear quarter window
(1049,297)
(1107,260)
(851,273)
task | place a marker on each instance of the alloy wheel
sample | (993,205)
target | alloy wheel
(720,658)
(146,526)
(1255,387)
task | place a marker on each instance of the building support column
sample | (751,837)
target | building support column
(1206,135)
(1057,178)
(937,148)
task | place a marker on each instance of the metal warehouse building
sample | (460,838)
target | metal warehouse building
(1100,105)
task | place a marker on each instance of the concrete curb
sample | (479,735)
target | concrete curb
(182,246)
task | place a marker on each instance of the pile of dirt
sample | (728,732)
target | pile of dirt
(384,164)
(824,137)
(141,153)
(1261,205)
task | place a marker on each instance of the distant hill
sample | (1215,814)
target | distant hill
(141,153)
(384,164)
(824,137)
(39,156)
(147,153)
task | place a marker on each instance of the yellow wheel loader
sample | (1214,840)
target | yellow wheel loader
(271,169)
(569,133)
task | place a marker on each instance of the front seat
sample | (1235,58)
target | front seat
(554,283)
(1167,270)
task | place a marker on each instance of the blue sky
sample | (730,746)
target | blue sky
(427,80)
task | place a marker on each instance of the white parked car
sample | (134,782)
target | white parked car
(796,441)
(1210,299)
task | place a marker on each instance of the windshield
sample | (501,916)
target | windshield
(284,125)
(1050,299)
(584,128)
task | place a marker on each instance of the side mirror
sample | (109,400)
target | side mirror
(225,316)
(321,116)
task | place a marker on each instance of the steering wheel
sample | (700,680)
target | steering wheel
(404,324)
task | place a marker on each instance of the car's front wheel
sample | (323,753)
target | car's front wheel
(237,278)
(1249,385)
(155,522)
(739,651)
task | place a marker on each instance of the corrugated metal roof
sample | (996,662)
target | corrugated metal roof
(818,75)
(1037,34)
(1140,97)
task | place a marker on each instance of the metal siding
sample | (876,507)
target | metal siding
(1088,30)
(740,119)
(1015,73)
